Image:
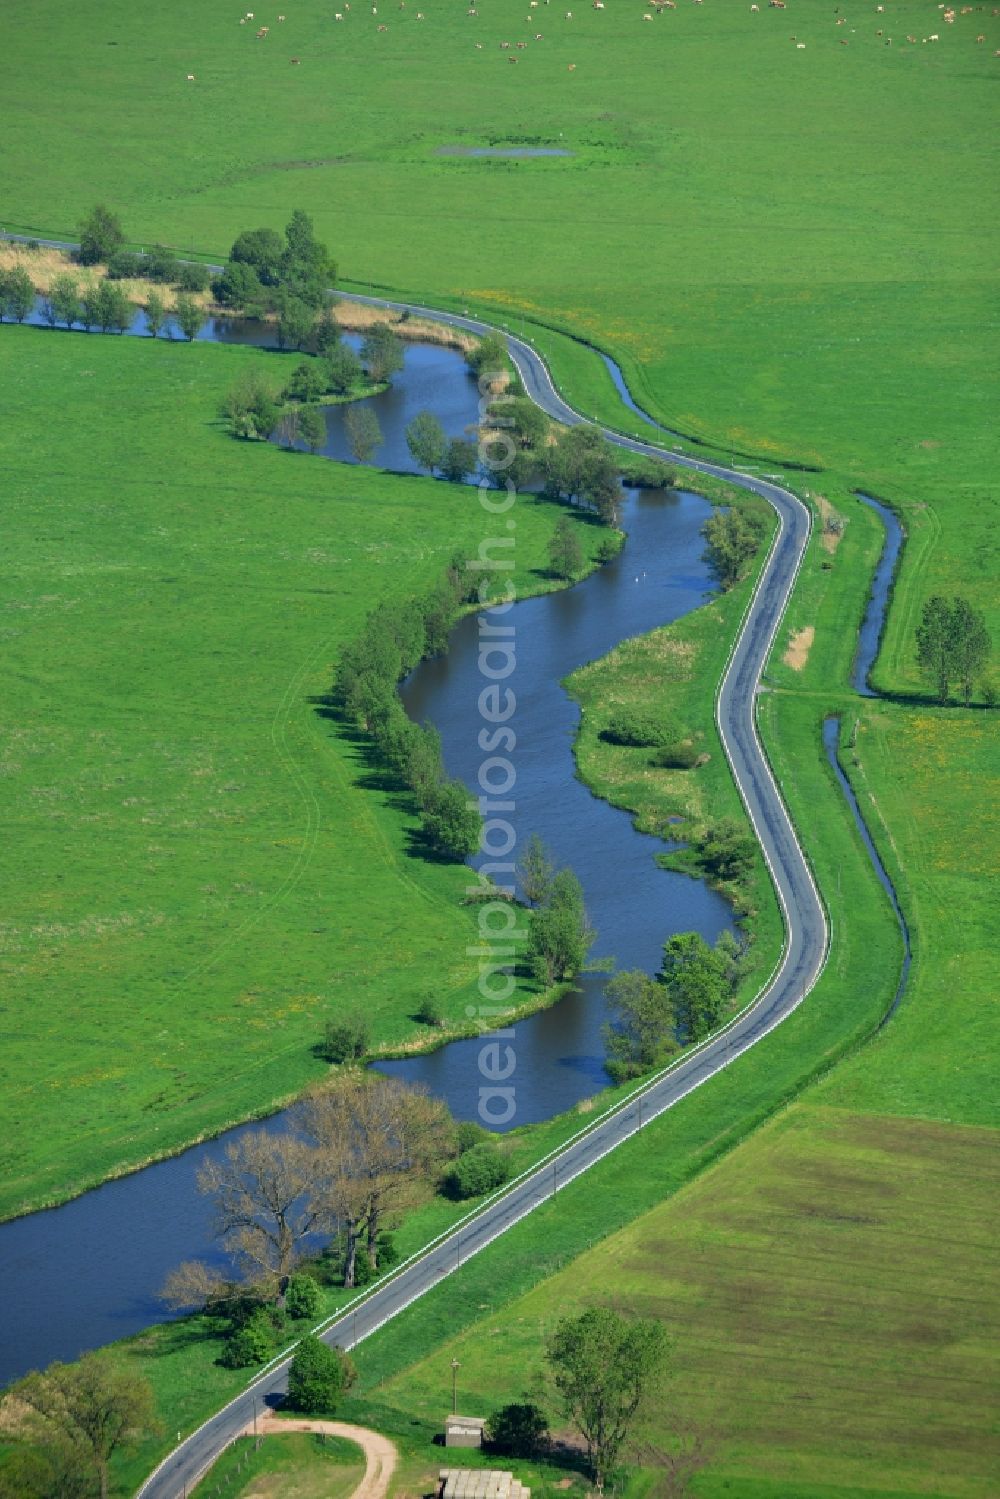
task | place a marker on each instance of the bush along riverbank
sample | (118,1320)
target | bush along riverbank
(648,740)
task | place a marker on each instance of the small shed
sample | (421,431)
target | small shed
(463,1431)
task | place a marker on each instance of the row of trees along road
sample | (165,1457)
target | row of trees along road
(685,1002)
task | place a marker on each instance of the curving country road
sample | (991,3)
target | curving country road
(806,937)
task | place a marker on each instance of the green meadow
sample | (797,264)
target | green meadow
(212,870)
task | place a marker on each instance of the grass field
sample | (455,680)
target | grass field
(789,250)
(293,1465)
(188,913)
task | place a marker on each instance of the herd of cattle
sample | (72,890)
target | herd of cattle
(949,14)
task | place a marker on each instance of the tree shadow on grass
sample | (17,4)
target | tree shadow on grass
(372,773)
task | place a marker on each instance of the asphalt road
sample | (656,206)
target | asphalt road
(802,960)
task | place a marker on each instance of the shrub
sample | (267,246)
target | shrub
(125,266)
(469,1133)
(193,277)
(250,1344)
(476,1171)
(318,1377)
(517,1430)
(302,1298)
(161,264)
(640,730)
(609,547)
(238,286)
(346,1040)
(307,382)
(681,755)
(429,1011)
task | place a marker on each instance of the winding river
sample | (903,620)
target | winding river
(85,1273)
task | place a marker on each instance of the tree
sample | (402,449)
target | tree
(263,251)
(727,850)
(528,421)
(363,432)
(88,1410)
(565,551)
(114,310)
(451,820)
(238,286)
(536,871)
(295,321)
(326,331)
(560,933)
(382,352)
(64,299)
(307,381)
(188,315)
(101,234)
(641,1033)
(952,644)
(317,1377)
(303,1297)
(698,984)
(347,1039)
(461,458)
(381,1143)
(306,267)
(90,305)
(268,1199)
(250,407)
(604,1366)
(17,294)
(971,647)
(733,537)
(312,428)
(343,370)
(155,313)
(518,1430)
(488,358)
(426,440)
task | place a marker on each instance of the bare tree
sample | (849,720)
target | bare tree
(268,1199)
(382,1143)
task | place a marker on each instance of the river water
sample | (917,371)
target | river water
(80,1275)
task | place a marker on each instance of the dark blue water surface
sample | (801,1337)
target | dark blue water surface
(870,634)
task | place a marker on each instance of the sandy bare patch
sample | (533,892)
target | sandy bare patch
(799,646)
(833,524)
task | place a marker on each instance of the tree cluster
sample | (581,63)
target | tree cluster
(395,638)
(67,1423)
(430,448)
(732,539)
(582,467)
(363,1149)
(688,998)
(559,931)
(289,275)
(953,647)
